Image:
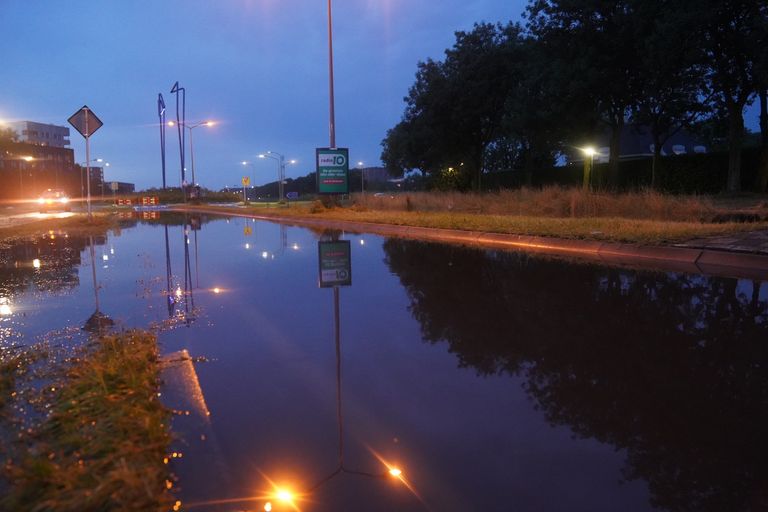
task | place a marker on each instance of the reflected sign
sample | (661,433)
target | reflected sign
(335,263)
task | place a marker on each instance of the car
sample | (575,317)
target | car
(52,200)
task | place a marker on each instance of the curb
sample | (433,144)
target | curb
(660,258)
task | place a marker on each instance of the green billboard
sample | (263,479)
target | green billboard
(332,170)
(335,263)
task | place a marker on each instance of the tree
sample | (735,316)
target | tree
(595,41)
(729,44)
(455,107)
(761,86)
(672,75)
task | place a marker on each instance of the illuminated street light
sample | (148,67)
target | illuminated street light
(362,177)
(191,127)
(587,180)
(280,159)
(191,148)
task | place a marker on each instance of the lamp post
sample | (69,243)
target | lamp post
(82,174)
(587,180)
(362,177)
(280,159)
(253,168)
(191,127)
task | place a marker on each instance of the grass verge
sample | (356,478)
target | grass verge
(76,225)
(104,442)
(613,229)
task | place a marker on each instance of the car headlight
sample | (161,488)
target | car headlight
(64,199)
(40,200)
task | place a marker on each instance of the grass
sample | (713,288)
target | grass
(644,217)
(104,442)
(76,225)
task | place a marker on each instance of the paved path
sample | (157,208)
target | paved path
(755,242)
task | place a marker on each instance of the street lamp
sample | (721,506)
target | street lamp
(587,180)
(280,159)
(82,174)
(362,177)
(191,127)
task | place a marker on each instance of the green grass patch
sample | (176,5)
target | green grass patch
(104,442)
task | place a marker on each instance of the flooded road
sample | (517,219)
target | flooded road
(491,380)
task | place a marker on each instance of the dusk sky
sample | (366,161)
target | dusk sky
(259,68)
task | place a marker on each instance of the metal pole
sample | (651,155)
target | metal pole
(332,117)
(88,166)
(192,155)
(281,178)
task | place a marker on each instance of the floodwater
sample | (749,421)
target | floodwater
(492,380)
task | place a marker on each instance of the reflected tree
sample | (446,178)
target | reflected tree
(671,367)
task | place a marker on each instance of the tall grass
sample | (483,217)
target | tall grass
(555,202)
(103,444)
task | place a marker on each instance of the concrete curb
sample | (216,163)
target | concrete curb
(659,258)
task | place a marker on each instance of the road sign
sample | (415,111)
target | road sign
(335,263)
(114,186)
(332,170)
(292,195)
(246,181)
(85,122)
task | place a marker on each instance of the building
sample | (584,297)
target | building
(26,170)
(637,142)
(41,134)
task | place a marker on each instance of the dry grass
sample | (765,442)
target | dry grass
(642,217)
(103,444)
(557,202)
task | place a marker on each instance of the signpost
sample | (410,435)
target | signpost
(335,263)
(86,122)
(332,170)
(246,182)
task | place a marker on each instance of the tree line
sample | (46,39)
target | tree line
(518,96)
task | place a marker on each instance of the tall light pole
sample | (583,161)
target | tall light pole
(332,114)
(587,179)
(279,173)
(362,177)
(280,158)
(191,127)
(82,174)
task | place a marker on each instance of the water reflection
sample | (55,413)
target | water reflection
(98,322)
(181,301)
(673,368)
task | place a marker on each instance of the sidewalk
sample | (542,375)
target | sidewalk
(754,242)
